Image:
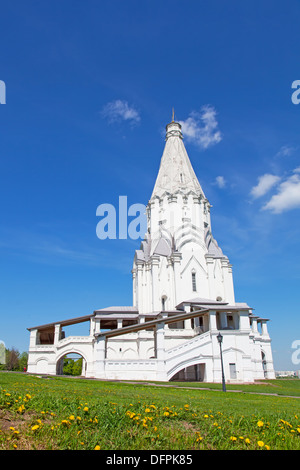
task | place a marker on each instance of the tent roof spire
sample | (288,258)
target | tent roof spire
(176,171)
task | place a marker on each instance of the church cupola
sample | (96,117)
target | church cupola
(173,130)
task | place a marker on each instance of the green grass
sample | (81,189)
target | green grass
(67,413)
(287,387)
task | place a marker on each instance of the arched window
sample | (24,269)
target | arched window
(163,303)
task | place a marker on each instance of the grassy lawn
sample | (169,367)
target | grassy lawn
(288,387)
(66,413)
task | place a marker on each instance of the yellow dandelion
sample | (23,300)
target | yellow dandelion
(147,410)
(21,409)
(85,409)
(35,427)
(233,438)
(97,448)
(267,447)
(166,413)
(260,424)
(247,440)
(260,443)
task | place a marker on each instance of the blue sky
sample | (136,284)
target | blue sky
(90,87)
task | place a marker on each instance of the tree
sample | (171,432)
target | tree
(23,360)
(12,359)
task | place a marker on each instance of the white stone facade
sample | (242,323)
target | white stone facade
(183,296)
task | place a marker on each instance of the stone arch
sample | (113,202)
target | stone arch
(59,360)
(129,353)
(42,364)
(188,364)
(150,353)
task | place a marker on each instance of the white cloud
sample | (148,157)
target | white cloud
(285,151)
(119,110)
(202,127)
(265,183)
(288,195)
(220,181)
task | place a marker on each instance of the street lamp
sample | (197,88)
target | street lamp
(220,339)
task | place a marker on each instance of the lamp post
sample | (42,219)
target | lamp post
(220,339)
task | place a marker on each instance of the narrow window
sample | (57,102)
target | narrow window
(194,282)
(163,304)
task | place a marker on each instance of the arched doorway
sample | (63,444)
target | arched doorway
(193,373)
(72,364)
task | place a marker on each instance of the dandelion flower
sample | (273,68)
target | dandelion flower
(35,427)
(260,424)
(233,438)
(260,443)
(97,448)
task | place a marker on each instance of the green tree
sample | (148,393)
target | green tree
(23,360)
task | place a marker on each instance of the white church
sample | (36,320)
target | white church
(183,298)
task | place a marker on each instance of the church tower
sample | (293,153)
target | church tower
(179,259)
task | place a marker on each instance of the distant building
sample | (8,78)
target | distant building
(287,373)
(183,296)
